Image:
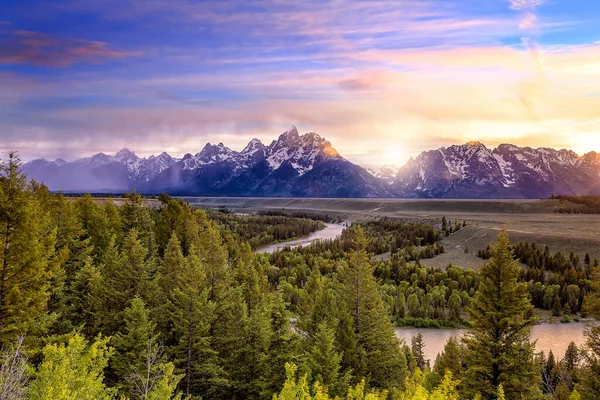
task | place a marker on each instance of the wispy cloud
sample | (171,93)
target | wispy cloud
(36,48)
(415,73)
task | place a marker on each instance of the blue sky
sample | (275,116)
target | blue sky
(382,80)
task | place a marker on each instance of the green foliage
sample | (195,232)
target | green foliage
(452,359)
(498,347)
(296,389)
(27,253)
(72,371)
(383,361)
(134,344)
(415,388)
(192,310)
(267,228)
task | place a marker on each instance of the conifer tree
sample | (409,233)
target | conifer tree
(325,361)
(498,348)
(133,343)
(172,266)
(451,359)
(27,262)
(81,302)
(192,314)
(134,216)
(417,347)
(140,362)
(372,326)
(124,276)
(283,345)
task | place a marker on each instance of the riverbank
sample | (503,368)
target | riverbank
(330,231)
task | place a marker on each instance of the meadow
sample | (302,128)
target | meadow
(533,221)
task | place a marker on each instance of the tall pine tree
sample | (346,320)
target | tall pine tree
(384,363)
(499,351)
(27,261)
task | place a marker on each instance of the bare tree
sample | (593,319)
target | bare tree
(145,378)
(13,372)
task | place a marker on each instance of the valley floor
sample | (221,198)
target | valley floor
(525,220)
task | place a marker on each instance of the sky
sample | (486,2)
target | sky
(382,80)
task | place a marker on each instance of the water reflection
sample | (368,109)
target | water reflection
(555,337)
(331,231)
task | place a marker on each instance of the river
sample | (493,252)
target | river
(331,231)
(555,337)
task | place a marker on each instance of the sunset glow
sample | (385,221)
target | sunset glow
(382,80)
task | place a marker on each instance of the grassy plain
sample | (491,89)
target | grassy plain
(525,220)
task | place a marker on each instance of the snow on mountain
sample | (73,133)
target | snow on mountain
(387,173)
(301,152)
(473,170)
(308,165)
(210,154)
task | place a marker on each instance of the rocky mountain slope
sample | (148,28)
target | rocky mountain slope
(293,165)
(307,165)
(474,171)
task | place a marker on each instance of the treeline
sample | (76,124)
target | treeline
(261,230)
(413,294)
(585,204)
(303,214)
(555,282)
(409,241)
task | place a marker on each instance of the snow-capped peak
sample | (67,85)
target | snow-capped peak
(302,153)
(125,153)
(253,146)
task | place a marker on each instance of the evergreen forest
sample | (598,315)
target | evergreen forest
(99,301)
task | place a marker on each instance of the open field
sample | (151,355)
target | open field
(525,220)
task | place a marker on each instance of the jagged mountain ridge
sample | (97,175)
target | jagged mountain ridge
(292,165)
(508,171)
(307,165)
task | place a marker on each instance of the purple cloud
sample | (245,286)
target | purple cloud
(40,49)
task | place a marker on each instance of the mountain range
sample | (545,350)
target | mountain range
(307,165)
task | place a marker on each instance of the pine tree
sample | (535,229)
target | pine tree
(556,307)
(499,350)
(590,375)
(417,347)
(172,267)
(571,358)
(213,255)
(81,300)
(374,331)
(136,217)
(74,251)
(451,359)
(27,245)
(134,341)
(325,361)
(283,345)
(192,314)
(124,276)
